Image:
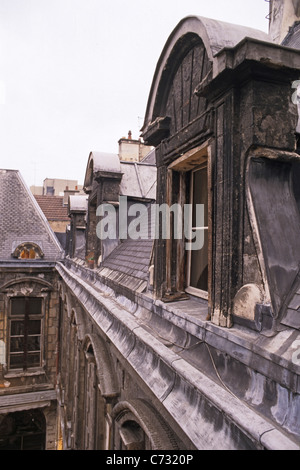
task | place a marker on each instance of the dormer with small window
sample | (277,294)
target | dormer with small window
(28,251)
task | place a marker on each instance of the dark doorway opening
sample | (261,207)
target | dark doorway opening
(23,430)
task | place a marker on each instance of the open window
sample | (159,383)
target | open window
(197,265)
(188,257)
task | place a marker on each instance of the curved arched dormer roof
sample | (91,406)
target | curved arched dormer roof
(101,162)
(77,203)
(214,35)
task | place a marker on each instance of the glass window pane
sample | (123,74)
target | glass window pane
(199,266)
(33,359)
(18,306)
(17,344)
(35,306)
(34,327)
(32,253)
(199,256)
(16,361)
(33,343)
(25,333)
(17,328)
(200,195)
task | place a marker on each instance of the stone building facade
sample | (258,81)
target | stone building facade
(198,348)
(160,346)
(29,322)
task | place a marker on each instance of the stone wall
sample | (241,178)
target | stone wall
(166,369)
(36,282)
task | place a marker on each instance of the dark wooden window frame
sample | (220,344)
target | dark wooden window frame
(185,165)
(25,318)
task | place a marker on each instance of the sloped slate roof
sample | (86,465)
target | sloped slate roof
(53,208)
(292,314)
(129,263)
(22,220)
(293,37)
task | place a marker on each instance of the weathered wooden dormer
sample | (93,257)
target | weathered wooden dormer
(221,117)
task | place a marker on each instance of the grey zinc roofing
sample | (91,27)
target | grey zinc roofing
(222,34)
(150,158)
(78,203)
(22,220)
(138,180)
(106,162)
(101,161)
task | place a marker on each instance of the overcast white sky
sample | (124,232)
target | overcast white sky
(75,74)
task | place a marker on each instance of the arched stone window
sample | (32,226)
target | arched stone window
(93,404)
(137,426)
(133,437)
(28,251)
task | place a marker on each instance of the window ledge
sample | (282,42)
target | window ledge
(197,293)
(192,313)
(21,373)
